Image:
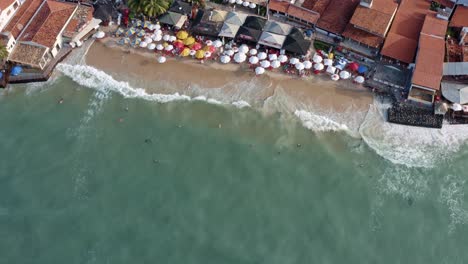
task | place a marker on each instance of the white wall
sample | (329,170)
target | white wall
(8,13)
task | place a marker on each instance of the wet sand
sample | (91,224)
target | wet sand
(227,83)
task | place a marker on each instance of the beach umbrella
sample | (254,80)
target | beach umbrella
(265,64)
(162,59)
(157,26)
(327,62)
(147,24)
(151,46)
(166,37)
(136,42)
(124,41)
(196,46)
(158,31)
(239,2)
(243,49)
(319,67)
(252,5)
(353,66)
(143,44)
(217,43)
(282,58)
(138,23)
(262,55)
(225,59)
(245,4)
(178,44)
(240,57)
(207,54)
(172,38)
(362,69)
(148,40)
(182,34)
(335,77)
(119,32)
(272,57)
(345,75)
(331,69)
(293,60)
(159,47)
(299,66)
(253,52)
(232,1)
(141,33)
(151,27)
(169,48)
(157,37)
(457,107)
(253,60)
(317,58)
(209,42)
(209,48)
(235,49)
(100,34)
(16,70)
(130,32)
(229,52)
(200,54)
(189,41)
(275,64)
(307,65)
(193,52)
(359,79)
(185,52)
(259,70)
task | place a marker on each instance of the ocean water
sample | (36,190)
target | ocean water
(114,175)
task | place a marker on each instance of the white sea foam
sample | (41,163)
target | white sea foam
(453,196)
(319,123)
(241,104)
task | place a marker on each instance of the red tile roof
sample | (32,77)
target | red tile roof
(401,41)
(429,62)
(434,27)
(362,36)
(6,3)
(82,16)
(465,53)
(294,11)
(22,17)
(337,15)
(460,17)
(377,18)
(318,6)
(279,5)
(47,24)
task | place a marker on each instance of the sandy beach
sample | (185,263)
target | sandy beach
(226,83)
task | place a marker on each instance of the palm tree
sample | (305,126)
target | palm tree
(3,52)
(136,5)
(153,8)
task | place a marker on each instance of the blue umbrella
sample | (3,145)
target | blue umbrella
(16,70)
(362,69)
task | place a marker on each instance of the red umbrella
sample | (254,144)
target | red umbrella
(353,66)
(179,44)
(211,49)
(196,46)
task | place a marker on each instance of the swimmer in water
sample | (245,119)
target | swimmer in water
(121,120)
(148,140)
(60,101)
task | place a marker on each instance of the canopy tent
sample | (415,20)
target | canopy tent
(255,22)
(229,30)
(248,34)
(206,28)
(173,19)
(213,15)
(455,92)
(277,28)
(235,18)
(272,40)
(298,46)
(296,34)
(181,8)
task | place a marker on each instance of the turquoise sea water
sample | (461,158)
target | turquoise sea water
(106,179)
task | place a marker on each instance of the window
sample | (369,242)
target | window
(57,47)
(15,5)
(9,12)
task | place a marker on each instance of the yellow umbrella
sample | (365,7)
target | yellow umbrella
(182,34)
(189,41)
(200,54)
(185,52)
(165,44)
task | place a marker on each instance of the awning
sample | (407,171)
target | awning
(248,34)
(455,68)
(298,46)
(235,18)
(93,24)
(272,40)
(278,28)
(215,15)
(229,30)
(207,28)
(255,22)
(173,19)
(181,8)
(455,92)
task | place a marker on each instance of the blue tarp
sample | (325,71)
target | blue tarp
(362,69)
(1,75)
(16,70)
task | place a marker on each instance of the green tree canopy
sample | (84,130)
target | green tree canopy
(3,52)
(149,8)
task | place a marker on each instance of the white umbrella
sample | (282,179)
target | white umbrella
(159,47)
(317,58)
(172,38)
(209,42)
(151,46)
(327,62)
(169,48)
(331,69)
(252,5)
(232,1)
(225,59)
(235,49)
(162,59)
(345,75)
(192,52)
(283,58)
(143,44)
(166,37)
(158,32)
(457,107)
(148,40)
(265,64)
(293,60)
(217,43)
(240,57)
(151,27)
(253,52)
(272,57)
(262,55)
(307,65)
(246,4)
(157,37)
(335,77)
(229,52)
(359,79)
(207,54)
(157,27)
(319,67)
(239,2)
(243,49)
(99,34)
(253,60)
(299,66)
(275,64)
(259,70)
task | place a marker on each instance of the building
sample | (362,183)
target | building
(459,23)
(336,16)
(428,69)
(370,23)
(8,9)
(294,12)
